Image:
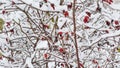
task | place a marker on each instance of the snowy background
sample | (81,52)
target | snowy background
(31,34)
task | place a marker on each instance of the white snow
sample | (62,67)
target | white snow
(96,22)
(42,44)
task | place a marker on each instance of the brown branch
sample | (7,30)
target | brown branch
(75,36)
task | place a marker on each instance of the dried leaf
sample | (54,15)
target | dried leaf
(52,19)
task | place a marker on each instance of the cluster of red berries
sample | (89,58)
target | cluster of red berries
(86,18)
(108,1)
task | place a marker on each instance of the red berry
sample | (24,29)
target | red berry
(63,11)
(60,33)
(8,24)
(116,22)
(98,67)
(46,26)
(88,13)
(108,1)
(45,56)
(94,61)
(12,31)
(43,38)
(13,2)
(3,11)
(117,27)
(61,50)
(107,23)
(86,19)
(66,14)
(69,6)
(106,31)
(53,6)
(62,64)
